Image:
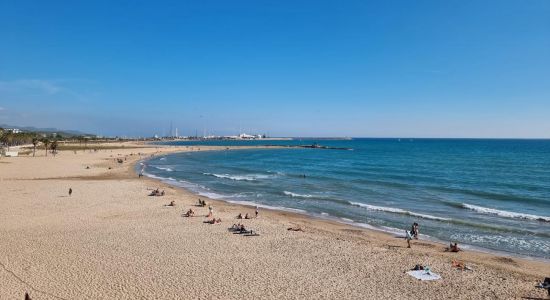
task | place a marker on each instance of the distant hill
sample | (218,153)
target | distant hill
(47,130)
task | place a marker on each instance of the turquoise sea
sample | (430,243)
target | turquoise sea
(490,194)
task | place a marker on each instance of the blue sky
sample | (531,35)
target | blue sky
(286,68)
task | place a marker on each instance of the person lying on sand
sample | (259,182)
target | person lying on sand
(295,228)
(458,264)
(214,221)
(172,203)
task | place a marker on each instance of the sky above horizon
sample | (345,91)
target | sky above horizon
(283,68)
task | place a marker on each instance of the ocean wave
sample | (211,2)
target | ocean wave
(164,169)
(489,195)
(162,158)
(504,213)
(398,211)
(248,177)
(281,208)
(296,195)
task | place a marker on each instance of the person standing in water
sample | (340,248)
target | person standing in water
(414,231)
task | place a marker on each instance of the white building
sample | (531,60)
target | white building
(13,130)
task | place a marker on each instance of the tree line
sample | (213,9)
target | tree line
(8,139)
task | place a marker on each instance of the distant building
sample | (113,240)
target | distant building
(13,130)
(245,136)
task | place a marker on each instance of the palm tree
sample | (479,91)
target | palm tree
(46,142)
(8,139)
(34,143)
(53,146)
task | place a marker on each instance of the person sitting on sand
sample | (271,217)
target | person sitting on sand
(155,193)
(240,216)
(190,213)
(162,193)
(246,216)
(172,203)
(453,247)
(242,229)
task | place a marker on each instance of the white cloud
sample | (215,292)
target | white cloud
(46,86)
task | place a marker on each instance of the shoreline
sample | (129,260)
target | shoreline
(109,240)
(389,231)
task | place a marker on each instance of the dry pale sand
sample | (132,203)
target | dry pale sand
(109,240)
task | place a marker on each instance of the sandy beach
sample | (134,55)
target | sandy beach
(110,240)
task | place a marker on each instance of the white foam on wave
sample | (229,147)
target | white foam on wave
(164,168)
(504,213)
(248,177)
(398,211)
(163,158)
(291,194)
(250,203)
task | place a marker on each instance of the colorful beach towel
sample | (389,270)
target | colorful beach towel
(424,275)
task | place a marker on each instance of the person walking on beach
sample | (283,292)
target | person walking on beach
(210,211)
(408,237)
(256,211)
(70,191)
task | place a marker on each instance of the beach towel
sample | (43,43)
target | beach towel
(424,275)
